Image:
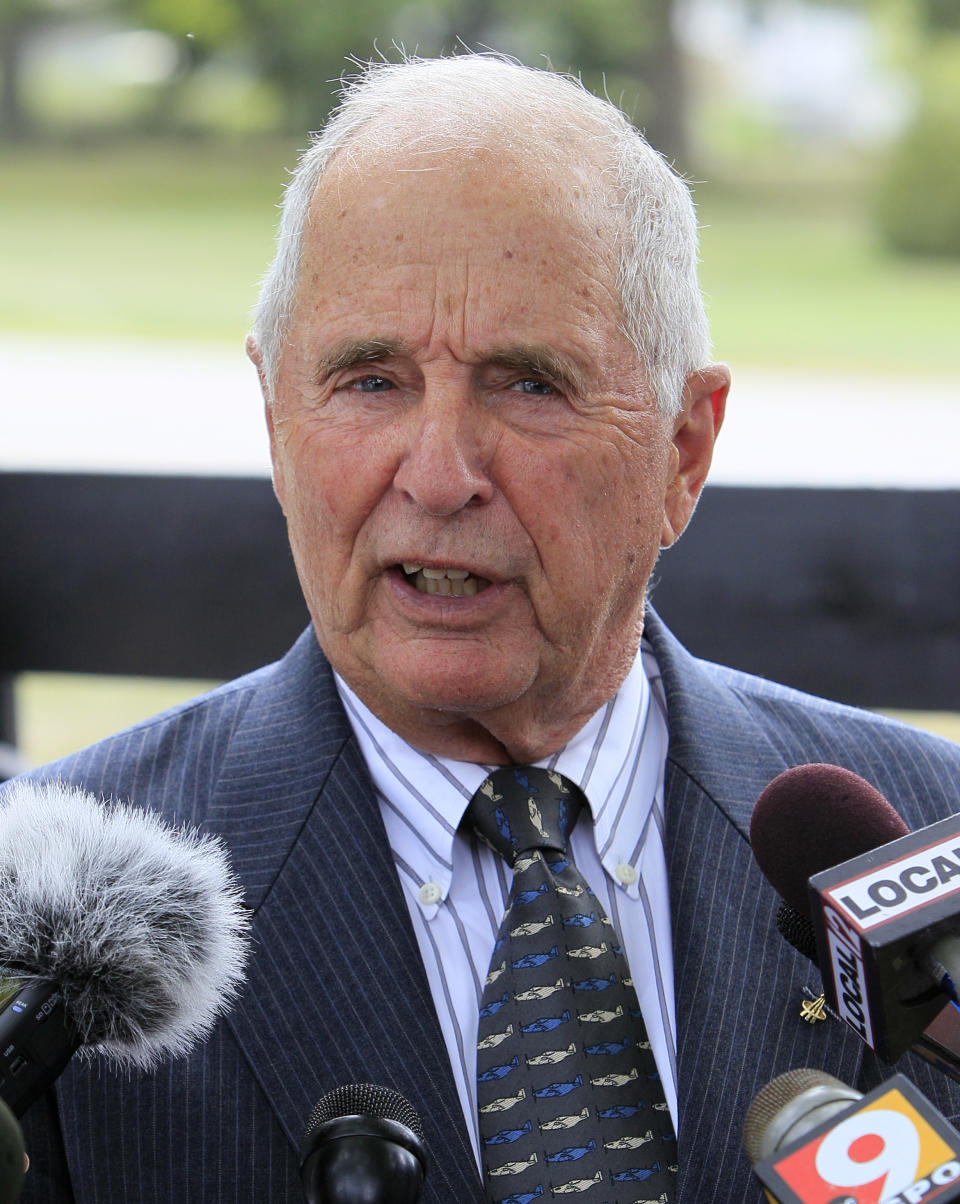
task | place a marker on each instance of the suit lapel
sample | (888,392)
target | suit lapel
(336,991)
(739,985)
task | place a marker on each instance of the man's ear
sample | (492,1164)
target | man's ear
(694,434)
(256,356)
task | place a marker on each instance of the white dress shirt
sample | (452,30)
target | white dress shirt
(457,888)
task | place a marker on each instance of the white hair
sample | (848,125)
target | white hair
(459,101)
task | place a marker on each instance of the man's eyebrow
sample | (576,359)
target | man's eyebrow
(354,352)
(540,360)
(535,360)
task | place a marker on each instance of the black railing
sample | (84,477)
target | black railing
(853,594)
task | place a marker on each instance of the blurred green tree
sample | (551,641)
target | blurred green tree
(301,47)
(19,21)
(918,189)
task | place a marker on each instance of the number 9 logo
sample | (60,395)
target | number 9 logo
(871,1144)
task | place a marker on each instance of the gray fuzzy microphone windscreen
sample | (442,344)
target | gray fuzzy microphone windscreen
(141,925)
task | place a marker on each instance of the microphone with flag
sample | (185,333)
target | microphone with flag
(875,906)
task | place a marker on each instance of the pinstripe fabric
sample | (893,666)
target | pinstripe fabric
(738,984)
(270,763)
(619,757)
(336,991)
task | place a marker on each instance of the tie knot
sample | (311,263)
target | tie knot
(519,808)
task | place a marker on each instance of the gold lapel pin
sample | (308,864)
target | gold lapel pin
(813,1010)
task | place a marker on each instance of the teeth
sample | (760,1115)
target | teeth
(458,587)
(449,583)
(443,574)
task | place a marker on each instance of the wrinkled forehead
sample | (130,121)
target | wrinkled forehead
(564,171)
(469,244)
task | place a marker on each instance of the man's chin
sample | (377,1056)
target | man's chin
(437,691)
(460,694)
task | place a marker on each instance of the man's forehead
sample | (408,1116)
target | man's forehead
(512,246)
(571,177)
(443,212)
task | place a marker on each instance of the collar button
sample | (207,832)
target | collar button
(430,894)
(626,873)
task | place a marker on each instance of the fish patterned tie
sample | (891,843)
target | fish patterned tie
(569,1098)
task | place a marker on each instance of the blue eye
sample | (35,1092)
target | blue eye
(372,384)
(534,386)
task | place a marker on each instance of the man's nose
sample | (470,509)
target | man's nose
(444,468)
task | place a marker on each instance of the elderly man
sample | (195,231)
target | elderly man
(490,403)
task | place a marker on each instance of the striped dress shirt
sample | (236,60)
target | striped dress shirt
(456,888)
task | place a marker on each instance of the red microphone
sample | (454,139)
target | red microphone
(873,904)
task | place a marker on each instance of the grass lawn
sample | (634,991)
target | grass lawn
(169,241)
(814,291)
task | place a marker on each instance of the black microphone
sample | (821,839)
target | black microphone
(873,905)
(813,1139)
(11,1156)
(118,935)
(363,1145)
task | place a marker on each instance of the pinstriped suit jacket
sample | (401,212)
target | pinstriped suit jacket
(336,992)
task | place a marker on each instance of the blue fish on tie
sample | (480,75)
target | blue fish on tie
(499,1072)
(573,1153)
(580,920)
(536,959)
(522,1197)
(554,1089)
(508,1136)
(636,1174)
(545,1024)
(595,984)
(562,815)
(521,779)
(503,824)
(608,1047)
(620,1112)
(528,896)
(558,866)
(492,1008)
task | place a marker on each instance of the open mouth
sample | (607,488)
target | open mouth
(451,583)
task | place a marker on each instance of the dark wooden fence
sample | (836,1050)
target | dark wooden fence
(854,594)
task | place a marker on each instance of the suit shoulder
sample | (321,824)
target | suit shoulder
(920,768)
(169,760)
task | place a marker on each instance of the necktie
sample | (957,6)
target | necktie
(568,1093)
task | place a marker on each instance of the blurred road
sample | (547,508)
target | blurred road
(84,405)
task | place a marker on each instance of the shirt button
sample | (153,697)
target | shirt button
(626,873)
(430,893)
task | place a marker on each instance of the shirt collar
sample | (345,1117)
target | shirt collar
(617,758)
